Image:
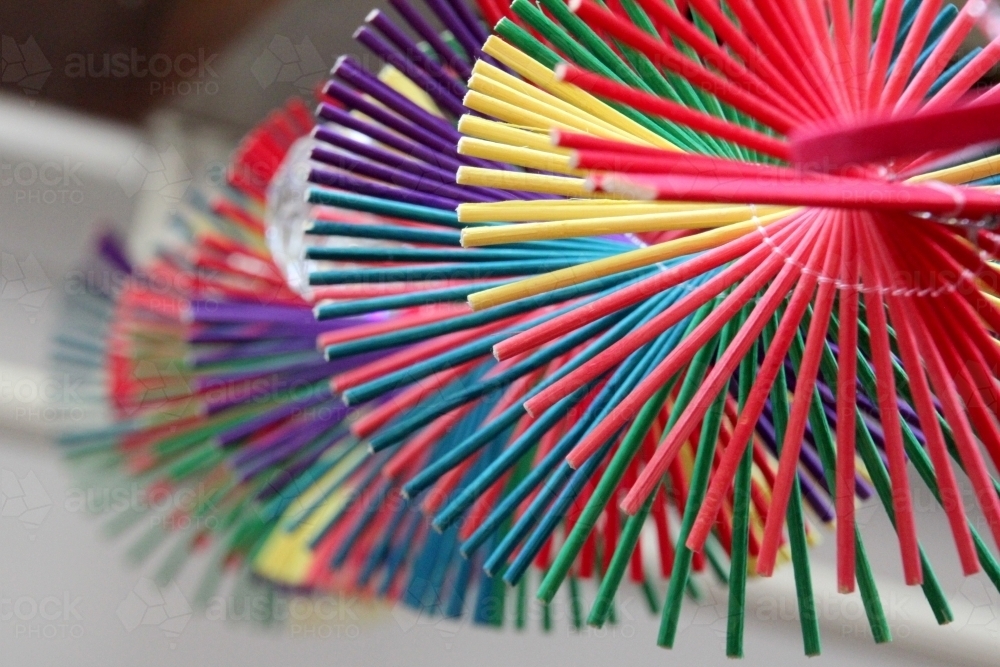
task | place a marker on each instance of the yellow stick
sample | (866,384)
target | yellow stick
(558,117)
(540,101)
(544,78)
(619,263)
(405,86)
(522,157)
(535,211)
(514,180)
(962,173)
(511,113)
(618,224)
(502,133)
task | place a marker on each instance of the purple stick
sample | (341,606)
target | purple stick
(231,311)
(440,158)
(265,348)
(448,160)
(350,72)
(413,52)
(391,176)
(457,27)
(393,159)
(111,250)
(281,444)
(352,100)
(236,332)
(471,21)
(816,500)
(431,36)
(441,94)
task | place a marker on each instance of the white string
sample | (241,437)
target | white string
(821,277)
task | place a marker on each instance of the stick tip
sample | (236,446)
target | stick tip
(561,71)
(630,505)
(623,186)
(574,5)
(372,15)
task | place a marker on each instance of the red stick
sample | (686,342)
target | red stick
(718,377)
(861,46)
(914,44)
(766,375)
(617,352)
(935,64)
(888,406)
(887,31)
(735,39)
(847,362)
(411,355)
(788,462)
(378,417)
(836,192)
(786,28)
(818,30)
(759,31)
(627,296)
(667,19)
(905,317)
(424,316)
(677,113)
(669,162)
(907,134)
(670,58)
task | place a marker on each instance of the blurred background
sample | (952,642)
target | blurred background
(109,110)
